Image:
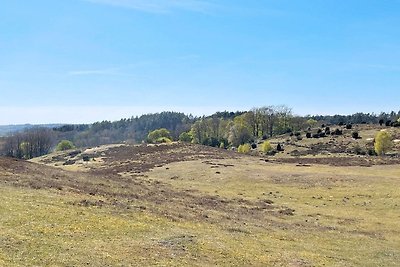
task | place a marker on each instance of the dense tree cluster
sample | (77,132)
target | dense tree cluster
(358,118)
(30,143)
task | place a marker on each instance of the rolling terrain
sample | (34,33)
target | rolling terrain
(190,205)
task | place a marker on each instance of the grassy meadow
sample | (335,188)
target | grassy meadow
(209,211)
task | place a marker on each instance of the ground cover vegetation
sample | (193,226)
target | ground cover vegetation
(183,204)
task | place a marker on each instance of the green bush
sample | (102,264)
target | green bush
(163,140)
(185,137)
(266,147)
(245,148)
(383,142)
(64,145)
(157,136)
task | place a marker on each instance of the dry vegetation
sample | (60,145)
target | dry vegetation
(189,205)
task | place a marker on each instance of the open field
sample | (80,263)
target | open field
(189,205)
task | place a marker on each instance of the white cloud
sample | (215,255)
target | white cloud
(158,6)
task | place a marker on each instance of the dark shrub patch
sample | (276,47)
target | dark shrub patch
(316,135)
(338,132)
(279,147)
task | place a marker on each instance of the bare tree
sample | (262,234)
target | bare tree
(29,144)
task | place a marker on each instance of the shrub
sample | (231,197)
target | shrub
(308,135)
(299,138)
(338,132)
(322,134)
(341,123)
(358,150)
(327,129)
(388,123)
(264,137)
(315,135)
(266,147)
(311,122)
(355,135)
(244,149)
(297,133)
(371,152)
(64,145)
(279,147)
(253,145)
(157,135)
(185,137)
(396,124)
(383,142)
(349,126)
(381,121)
(319,131)
(163,140)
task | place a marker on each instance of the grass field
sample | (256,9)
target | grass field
(195,206)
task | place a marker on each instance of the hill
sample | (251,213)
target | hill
(9,129)
(184,204)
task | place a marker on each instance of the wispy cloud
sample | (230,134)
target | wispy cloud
(102,72)
(90,72)
(159,6)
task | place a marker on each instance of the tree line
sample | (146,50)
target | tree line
(221,129)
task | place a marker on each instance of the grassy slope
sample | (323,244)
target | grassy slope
(188,214)
(344,216)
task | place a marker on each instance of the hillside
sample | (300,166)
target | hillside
(192,205)
(340,146)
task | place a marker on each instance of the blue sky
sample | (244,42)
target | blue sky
(74,61)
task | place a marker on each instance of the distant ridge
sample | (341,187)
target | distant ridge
(9,129)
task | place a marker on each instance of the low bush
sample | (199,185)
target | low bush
(279,147)
(64,145)
(266,147)
(164,140)
(244,149)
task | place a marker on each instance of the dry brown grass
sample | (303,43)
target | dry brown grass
(185,205)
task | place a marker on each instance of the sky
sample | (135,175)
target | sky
(80,61)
